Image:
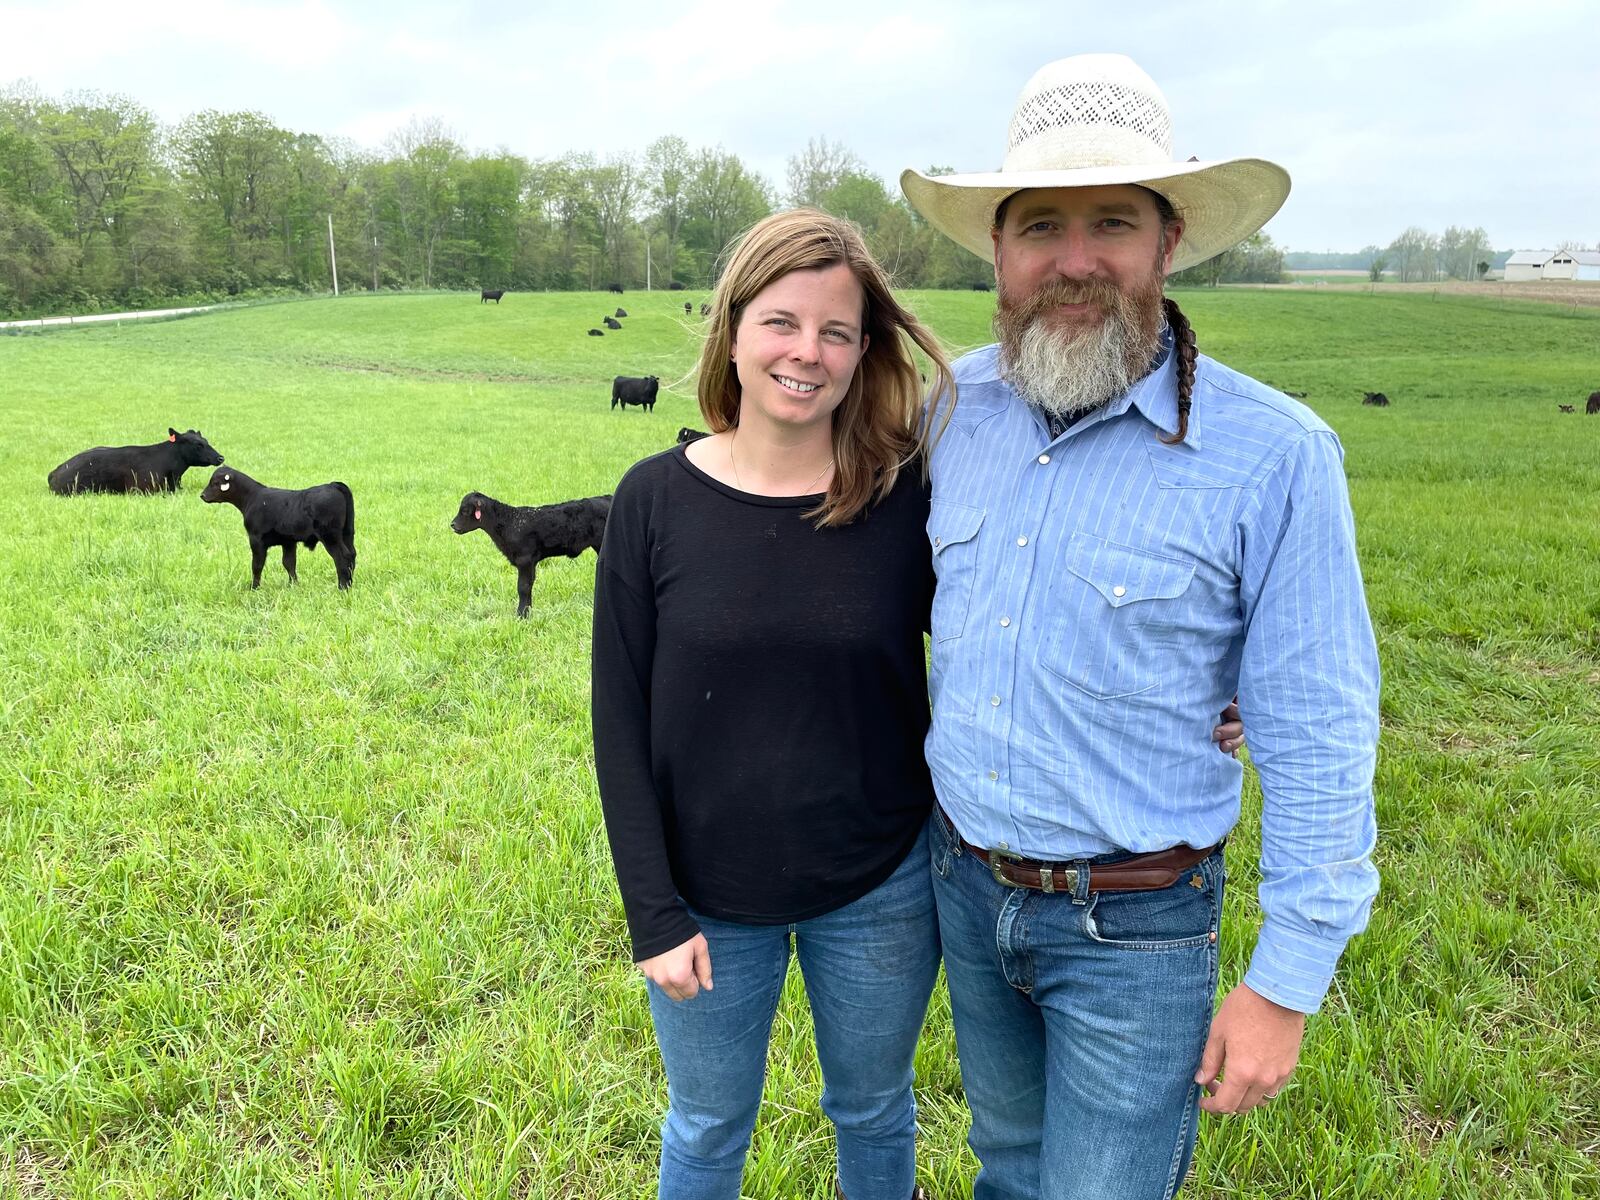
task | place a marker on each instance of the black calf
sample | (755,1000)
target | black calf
(529,535)
(286,516)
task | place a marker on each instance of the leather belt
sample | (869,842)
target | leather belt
(1138,873)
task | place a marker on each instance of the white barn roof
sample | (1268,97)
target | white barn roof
(1530,258)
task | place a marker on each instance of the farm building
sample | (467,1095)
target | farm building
(1573,264)
(1527,265)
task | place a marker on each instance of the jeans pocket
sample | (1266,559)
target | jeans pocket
(942,846)
(1179,917)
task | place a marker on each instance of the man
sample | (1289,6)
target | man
(1126,534)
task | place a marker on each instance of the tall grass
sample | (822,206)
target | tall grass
(305,893)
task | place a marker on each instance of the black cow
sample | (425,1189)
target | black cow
(626,390)
(615,289)
(1566,408)
(705,310)
(1376,399)
(688,309)
(597,333)
(980,287)
(157,468)
(1296,395)
(1594,404)
(675,286)
(611,323)
(620,313)
(286,516)
(690,435)
(528,536)
(486,295)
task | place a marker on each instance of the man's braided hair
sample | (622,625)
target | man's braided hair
(1182,337)
(1182,332)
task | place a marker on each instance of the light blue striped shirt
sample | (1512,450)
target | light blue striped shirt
(1102,596)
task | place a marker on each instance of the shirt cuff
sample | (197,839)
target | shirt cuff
(1292,968)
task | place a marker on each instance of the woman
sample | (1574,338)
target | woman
(760,705)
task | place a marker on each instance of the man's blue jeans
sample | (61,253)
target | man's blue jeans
(869,970)
(1080,1020)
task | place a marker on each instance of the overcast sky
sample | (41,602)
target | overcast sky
(1386,113)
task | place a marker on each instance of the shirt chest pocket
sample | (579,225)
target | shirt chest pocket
(1111,614)
(952,536)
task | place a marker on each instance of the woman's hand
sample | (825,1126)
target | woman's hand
(1229,735)
(682,971)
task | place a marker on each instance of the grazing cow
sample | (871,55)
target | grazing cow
(705,309)
(675,286)
(1566,408)
(1296,395)
(688,309)
(1594,404)
(597,333)
(980,287)
(487,295)
(612,323)
(286,516)
(157,468)
(690,435)
(620,313)
(527,536)
(1376,399)
(615,289)
(626,390)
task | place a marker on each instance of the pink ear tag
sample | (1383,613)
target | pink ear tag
(477,514)
(172,437)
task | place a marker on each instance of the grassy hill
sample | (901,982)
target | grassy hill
(306,894)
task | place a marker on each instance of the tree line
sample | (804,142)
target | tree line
(102,206)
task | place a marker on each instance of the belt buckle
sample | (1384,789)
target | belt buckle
(1046,873)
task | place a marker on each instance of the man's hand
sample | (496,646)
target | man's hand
(1251,1053)
(682,971)
(1229,735)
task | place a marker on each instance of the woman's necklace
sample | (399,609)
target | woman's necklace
(826,467)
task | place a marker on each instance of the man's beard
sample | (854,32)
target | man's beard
(1074,369)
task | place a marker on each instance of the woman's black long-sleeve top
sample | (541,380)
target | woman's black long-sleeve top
(759,699)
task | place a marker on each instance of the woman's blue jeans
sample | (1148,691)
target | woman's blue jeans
(1080,1018)
(869,970)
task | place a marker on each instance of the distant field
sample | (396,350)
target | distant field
(1570,293)
(306,894)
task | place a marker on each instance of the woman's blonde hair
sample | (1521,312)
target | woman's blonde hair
(878,427)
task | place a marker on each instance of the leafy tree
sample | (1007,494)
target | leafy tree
(32,256)
(724,199)
(818,170)
(667,165)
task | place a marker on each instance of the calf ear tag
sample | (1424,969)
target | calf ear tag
(224,487)
(172,437)
(477,514)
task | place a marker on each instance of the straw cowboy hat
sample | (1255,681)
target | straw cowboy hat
(1096,119)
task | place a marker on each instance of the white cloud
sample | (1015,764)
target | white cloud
(1387,115)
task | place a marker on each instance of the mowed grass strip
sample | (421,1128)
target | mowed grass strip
(307,894)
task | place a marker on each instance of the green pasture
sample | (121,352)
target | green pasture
(306,893)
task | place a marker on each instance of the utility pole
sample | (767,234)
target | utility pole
(333,258)
(647,262)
